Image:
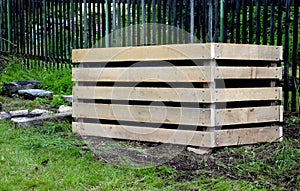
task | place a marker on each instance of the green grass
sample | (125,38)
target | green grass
(51,158)
(59,81)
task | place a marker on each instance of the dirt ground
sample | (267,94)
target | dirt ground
(221,162)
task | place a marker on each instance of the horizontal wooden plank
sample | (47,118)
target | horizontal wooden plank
(212,139)
(178,52)
(143,74)
(177,115)
(248,52)
(150,114)
(200,95)
(173,74)
(248,136)
(248,73)
(247,94)
(248,115)
(143,53)
(182,137)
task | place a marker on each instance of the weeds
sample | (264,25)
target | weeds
(57,101)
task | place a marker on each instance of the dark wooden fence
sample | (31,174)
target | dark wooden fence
(44,32)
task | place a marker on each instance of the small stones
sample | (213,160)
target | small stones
(34,93)
(4,115)
(64,109)
(68,98)
(13,87)
(38,112)
(19,113)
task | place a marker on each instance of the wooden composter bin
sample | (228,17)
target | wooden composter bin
(206,95)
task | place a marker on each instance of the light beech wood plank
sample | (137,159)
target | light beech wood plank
(177,115)
(197,95)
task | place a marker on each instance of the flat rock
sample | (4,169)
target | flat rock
(64,109)
(18,113)
(38,112)
(19,119)
(34,93)
(200,151)
(68,98)
(13,87)
(4,115)
(38,121)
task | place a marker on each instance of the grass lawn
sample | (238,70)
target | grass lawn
(52,158)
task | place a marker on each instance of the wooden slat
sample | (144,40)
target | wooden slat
(248,52)
(248,136)
(179,52)
(248,73)
(174,74)
(201,95)
(150,114)
(216,138)
(183,137)
(143,53)
(248,115)
(177,115)
(143,74)
(143,94)
(247,94)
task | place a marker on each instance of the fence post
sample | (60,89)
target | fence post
(106,25)
(8,24)
(221,20)
(192,21)
(143,22)
(85,24)
(295,53)
(286,57)
(210,20)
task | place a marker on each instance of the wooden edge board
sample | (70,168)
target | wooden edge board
(143,74)
(173,74)
(196,95)
(248,52)
(177,115)
(248,136)
(182,137)
(247,115)
(178,52)
(230,72)
(217,138)
(247,94)
(142,53)
(281,113)
(147,114)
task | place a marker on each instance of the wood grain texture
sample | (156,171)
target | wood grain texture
(248,115)
(218,138)
(178,115)
(182,137)
(248,72)
(143,53)
(248,136)
(148,114)
(248,52)
(173,74)
(198,95)
(179,52)
(143,74)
